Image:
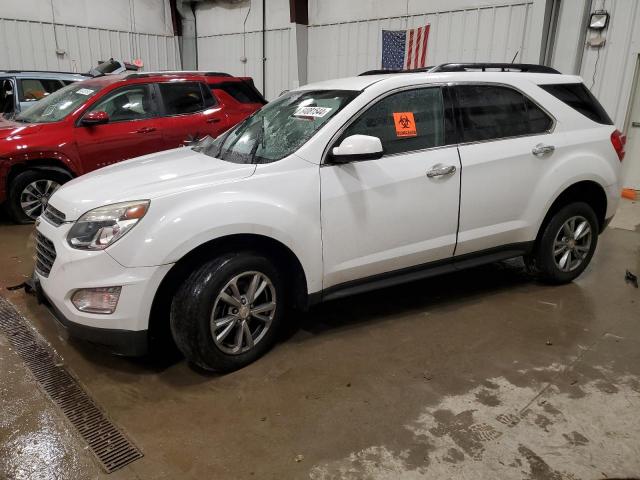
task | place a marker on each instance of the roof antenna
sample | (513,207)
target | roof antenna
(514,57)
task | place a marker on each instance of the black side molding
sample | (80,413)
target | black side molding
(420,272)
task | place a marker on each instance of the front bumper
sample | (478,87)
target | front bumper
(124,331)
(119,342)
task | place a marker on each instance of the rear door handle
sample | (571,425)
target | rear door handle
(146,130)
(635,124)
(542,149)
(213,120)
(441,170)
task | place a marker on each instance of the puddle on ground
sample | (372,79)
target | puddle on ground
(556,434)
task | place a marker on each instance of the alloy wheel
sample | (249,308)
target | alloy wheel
(243,312)
(35,196)
(572,243)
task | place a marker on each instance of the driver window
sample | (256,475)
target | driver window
(126,104)
(404,121)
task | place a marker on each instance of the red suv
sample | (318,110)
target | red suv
(104,120)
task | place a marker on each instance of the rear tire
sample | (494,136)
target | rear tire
(567,244)
(228,311)
(29,194)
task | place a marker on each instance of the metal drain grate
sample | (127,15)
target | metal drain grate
(111,447)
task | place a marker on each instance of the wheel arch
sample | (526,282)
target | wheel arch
(45,164)
(587,191)
(282,256)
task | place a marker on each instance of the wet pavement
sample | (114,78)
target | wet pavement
(480,374)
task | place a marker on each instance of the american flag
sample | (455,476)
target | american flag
(405,49)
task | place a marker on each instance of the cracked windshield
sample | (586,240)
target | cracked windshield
(278,129)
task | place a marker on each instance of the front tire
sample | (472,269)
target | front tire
(567,244)
(228,311)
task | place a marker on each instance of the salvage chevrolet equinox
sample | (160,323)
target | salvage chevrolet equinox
(330,190)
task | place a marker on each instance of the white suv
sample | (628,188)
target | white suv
(332,189)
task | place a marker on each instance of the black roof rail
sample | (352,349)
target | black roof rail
(503,67)
(388,71)
(141,75)
(378,72)
(217,74)
(177,73)
(158,74)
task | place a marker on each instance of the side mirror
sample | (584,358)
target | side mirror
(356,148)
(95,118)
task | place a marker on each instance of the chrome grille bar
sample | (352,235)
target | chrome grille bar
(45,254)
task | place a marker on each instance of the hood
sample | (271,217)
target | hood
(10,128)
(145,178)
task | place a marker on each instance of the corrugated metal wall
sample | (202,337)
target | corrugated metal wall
(609,71)
(31,45)
(487,33)
(223,52)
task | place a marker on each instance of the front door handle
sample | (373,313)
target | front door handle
(213,120)
(441,170)
(146,130)
(542,149)
(635,124)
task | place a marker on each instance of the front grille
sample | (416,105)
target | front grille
(45,254)
(54,216)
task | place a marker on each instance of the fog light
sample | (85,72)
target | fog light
(96,300)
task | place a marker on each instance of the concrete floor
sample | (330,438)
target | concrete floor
(481,374)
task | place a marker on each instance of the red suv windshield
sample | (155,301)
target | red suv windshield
(59,104)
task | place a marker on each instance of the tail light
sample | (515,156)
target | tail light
(618,140)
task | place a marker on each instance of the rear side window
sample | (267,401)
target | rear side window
(33,89)
(489,112)
(405,121)
(241,91)
(181,97)
(578,97)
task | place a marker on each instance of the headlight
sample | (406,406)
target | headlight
(102,226)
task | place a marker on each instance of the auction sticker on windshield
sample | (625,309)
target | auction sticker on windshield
(85,91)
(312,111)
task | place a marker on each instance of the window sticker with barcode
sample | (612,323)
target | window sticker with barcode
(314,112)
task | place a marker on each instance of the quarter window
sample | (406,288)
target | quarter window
(404,121)
(182,97)
(578,97)
(490,112)
(126,103)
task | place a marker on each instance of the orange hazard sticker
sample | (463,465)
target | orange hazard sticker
(405,125)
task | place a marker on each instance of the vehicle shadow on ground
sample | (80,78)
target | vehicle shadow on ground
(454,290)
(4,218)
